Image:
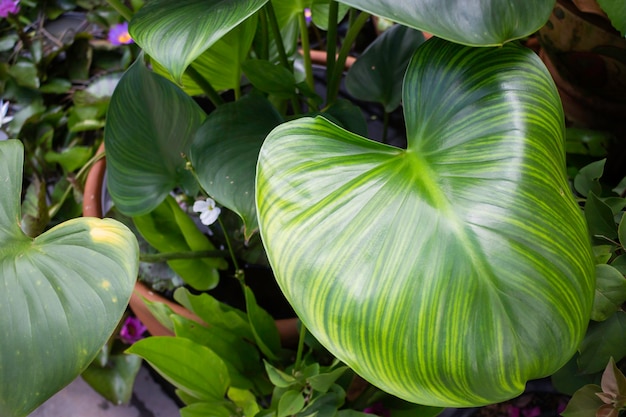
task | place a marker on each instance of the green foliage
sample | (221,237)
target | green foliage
(81,274)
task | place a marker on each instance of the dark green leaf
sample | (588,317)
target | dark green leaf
(610,292)
(150,123)
(25,74)
(377,74)
(56,86)
(225,151)
(621,231)
(569,379)
(270,78)
(620,264)
(63,294)
(169,229)
(347,115)
(202,374)
(323,382)
(116,380)
(176,33)
(478,23)
(599,218)
(588,179)
(474,221)
(603,340)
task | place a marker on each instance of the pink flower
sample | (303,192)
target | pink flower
(132,330)
(118,34)
(8,7)
(377,409)
(532,412)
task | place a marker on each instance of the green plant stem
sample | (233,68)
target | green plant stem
(124,11)
(331,38)
(280,46)
(306,50)
(77,179)
(170,256)
(300,351)
(353,31)
(208,89)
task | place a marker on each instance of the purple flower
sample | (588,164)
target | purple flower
(378,409)
(307,15)
(8,7)
(532,412)
(132,330)
(118,34)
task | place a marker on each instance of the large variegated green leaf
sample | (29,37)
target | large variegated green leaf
(468,22)
(61,294)
(150,123)
(175,33)
(225,152)
(451,272)
(220,65)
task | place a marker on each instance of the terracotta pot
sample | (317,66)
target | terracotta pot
(587,59)
(92,207)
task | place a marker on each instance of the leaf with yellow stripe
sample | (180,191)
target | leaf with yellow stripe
(451,272)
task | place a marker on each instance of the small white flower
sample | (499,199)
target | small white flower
(208,211)
(4,108)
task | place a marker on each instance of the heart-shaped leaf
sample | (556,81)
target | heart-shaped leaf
(220,65)
(470,22)
(150,123)
(175,33)
(451,272)
(225,152)
(63,294)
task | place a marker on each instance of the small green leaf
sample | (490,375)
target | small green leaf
(278,377)
(169,229)
(245,400)
(584,403)
(588,178)
(619,263)
(600,219)
(70,158)
(323,382)
(610,292)
(290,403)
(56,86)
(621,231)
(25,74)
(603,253)
(191,375)
(116,380)
(215,313)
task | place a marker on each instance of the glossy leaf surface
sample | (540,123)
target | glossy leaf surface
(451,272)
(470,22)
(225,152)
(62,294)
(176,33)
(220,65)
(150,122)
